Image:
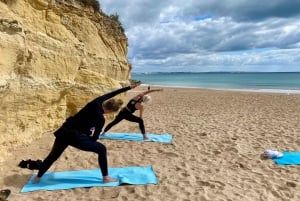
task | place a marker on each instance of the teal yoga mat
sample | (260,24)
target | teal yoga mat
(91,178)
(288,158)
(163,138)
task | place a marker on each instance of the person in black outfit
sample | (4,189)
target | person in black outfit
(136,103)
(82,131)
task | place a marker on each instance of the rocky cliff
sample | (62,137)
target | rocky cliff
(55,55)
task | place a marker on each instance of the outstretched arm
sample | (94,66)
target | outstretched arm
(150,91)
(146,92)
(118,91)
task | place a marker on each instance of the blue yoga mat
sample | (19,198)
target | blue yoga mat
(91,178)
(164,138)
(288,158)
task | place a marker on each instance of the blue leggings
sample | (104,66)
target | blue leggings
(125,114)
(66,137)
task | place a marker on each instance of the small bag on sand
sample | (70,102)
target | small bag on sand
(30,164)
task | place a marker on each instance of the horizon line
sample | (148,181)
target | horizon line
(215,72)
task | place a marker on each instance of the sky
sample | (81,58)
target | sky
(210,35)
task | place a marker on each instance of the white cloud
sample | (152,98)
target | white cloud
(195,35)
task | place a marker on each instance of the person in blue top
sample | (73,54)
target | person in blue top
(136,103)
(82,131)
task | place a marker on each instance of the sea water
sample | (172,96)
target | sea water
(282,82)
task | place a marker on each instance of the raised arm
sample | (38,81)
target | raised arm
(118,91)
(146,92)
(151,90)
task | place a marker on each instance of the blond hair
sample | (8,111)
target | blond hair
(113,104)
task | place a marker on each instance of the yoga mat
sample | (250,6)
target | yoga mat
(288,158)
(164,138)
(91,178)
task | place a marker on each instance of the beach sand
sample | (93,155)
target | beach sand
(218,139)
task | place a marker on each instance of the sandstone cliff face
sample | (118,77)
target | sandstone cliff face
(55,56)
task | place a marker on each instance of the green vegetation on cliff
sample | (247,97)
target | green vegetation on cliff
(92,3)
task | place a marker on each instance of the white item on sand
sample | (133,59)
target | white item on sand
(272,154)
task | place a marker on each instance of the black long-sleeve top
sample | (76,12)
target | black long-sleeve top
(91,115)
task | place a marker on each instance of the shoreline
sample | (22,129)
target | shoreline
(275,91)
(268,82)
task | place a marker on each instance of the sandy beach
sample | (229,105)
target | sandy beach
(218,139)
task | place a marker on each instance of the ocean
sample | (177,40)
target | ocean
(277,82)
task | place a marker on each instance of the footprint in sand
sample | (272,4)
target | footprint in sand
(291,184)
(171,154)
(212,184)
(203,134)
(217,152)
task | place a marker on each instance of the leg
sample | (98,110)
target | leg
(140,121)
(118,118)
(85,143)
(58,148)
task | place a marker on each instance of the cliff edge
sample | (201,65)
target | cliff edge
(55,56)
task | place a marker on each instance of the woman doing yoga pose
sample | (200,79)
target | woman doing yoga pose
(136,103)
(77,130)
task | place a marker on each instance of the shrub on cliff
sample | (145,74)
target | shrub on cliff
(115,17)
(93,3)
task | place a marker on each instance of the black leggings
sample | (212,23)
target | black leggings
(65,137)
(125,114)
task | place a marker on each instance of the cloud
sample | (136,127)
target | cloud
(194,35)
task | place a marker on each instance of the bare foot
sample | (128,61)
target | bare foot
(107,179)
(36,180)
(145,137)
